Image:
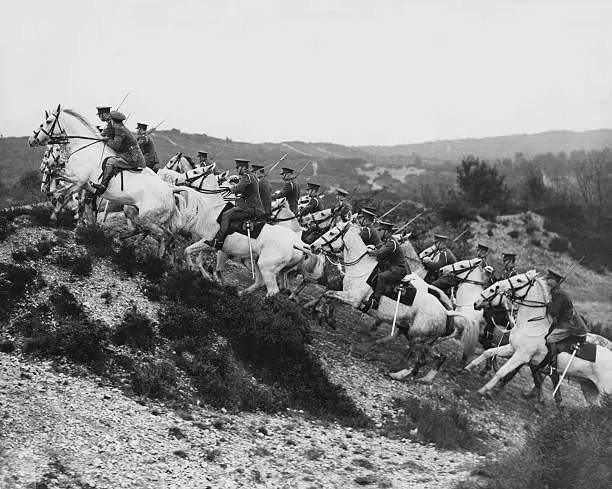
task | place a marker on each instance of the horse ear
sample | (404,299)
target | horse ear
(59,107)
(46,114)
(179,155)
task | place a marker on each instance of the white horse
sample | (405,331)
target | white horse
(149,202)
(275,250)
(527,338)
(427,320)
(180,163)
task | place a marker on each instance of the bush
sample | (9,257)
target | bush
(536,242)
(14,280)
(531,229)
(30,179)
(571,449)
(125,258)
(6,228)
(448,428)
(95,239)
(75,260)
(559,245)
(155,379)
(136,330)
(65,302)
(488,213)
(179,321)
(456,213)
(514,234)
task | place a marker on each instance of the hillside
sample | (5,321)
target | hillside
(499,147)
(71,422)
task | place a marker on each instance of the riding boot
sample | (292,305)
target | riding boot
(548,365)
(108,173)
(370,303)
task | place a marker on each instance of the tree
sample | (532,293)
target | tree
(481,184)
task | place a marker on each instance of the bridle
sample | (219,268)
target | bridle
(469,270)
(511,295)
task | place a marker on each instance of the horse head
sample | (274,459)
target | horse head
(222,177)
(333,239)
(320,219)
(49,129)
(461,269)
(173,162)
(513,287)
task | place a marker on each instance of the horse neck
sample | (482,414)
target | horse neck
(74,127)
(531,317)
(355,249)
(468,292)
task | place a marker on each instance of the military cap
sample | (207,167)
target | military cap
(386,224)
(257,167)
(116,115)
(341,191)
(141,125)
(554,275)
(103,109)
(367,212)
(440,237)
(242,162)
(312,185)
(202,154)
(482,247)
(286,170)
(509,256)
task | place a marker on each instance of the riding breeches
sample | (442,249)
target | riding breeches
(229,216)
(388,279)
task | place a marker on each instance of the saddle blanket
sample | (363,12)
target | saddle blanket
(586,351)
(241,227)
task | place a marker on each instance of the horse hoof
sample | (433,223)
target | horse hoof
(400,375)
(530,395)
(485,394)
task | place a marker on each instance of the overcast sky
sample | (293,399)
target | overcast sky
(353,72)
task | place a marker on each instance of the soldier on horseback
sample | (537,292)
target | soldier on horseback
(392,263)
(290,190)
(314,204)
(202,158)
(247,206)
(369,235)
(265,190)
(342,211)
(104,115)
(498,314)
(439,257)
(128,157)
(567,328)
(147,147)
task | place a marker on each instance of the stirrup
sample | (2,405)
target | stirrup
(547,370)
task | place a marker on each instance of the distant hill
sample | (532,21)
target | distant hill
(337,165)
(500,147)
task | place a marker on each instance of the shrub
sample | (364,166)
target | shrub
(514,234)
(536,242)
(457,212)
(95,239)
(65,302)
(488,213)
(178,321)
(152,267)
(448,427)
(76,260)
(14,280)
(559,245)
(30,179)
(6,228)
(125,258)
(136,330)
(568,450)
(155,379)
(531,229)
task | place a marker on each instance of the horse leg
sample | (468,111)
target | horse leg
(504,351)
(220,266)
(200,265)
(429,377)
(258,284)
(196,247)
(536,391)
(515,362)
(406,371)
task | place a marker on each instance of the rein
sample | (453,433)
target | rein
(466,280)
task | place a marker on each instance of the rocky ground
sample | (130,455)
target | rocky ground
(59,430)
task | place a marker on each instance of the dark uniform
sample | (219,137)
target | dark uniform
(314,205)
(497,314)
(567,327)
(441,257)
(128,157)
(104,114)
(393,266)
(342,210)
(370,236)
(148,148)
(290,191)
(265,190)
(247,206)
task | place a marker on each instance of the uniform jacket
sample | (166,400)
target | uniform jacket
(126,147)
(439,259)
(148,150)
(390,255)
(108,131)
(248,190)
(504,274)
(564,316)
(265,194)
(291,191)
(313,205)
(370,236)
(342,209)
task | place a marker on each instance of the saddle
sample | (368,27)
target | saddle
(585,351)
(408,290)
(121,165)
(256,224)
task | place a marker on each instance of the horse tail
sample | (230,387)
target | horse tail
(467,331)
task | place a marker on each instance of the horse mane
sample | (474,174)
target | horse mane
(81,119)
(190,160)
(545,290)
